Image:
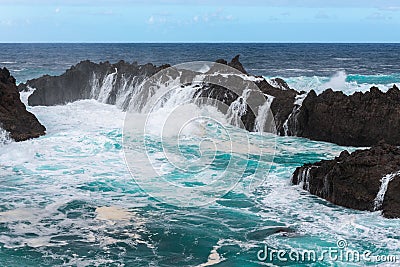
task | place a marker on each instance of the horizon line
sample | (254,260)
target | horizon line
(207,42)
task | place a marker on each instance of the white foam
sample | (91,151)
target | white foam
(214,257)
(41,176)
(337,82)
(263,114)
(4,137)
(298,102)
(275,84)
(299,99)
(112,214)
(238,108)
(204,68)
(243,76)
(107,87)
(382,190)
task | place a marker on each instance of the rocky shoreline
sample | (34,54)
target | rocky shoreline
(14,118)
(332,116)
(85,80)
(360,119)
(363,180)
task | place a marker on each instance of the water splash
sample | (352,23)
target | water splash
(337,81)
(292,119)
(382,190)
(107,87)
(238,108)
(4,137)
(305,178)
(341,81)
(262,116)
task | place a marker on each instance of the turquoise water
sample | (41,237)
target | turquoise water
(68,198)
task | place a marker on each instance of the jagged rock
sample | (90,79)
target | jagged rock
(89,80)
(361,119)
(14,118)
(354,180)
(281,107)
(235,63)
(279,83)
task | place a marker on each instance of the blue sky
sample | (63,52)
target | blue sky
(200,21)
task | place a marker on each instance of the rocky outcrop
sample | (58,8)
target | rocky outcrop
(283,103)
(361,119)
(235,63)
(89,80)
(14,118)
(363,180)
(281,107)
(115,83)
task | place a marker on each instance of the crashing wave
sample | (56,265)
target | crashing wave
(303,114)
(4,137)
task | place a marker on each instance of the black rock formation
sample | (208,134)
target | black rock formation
(89,80)
(109,83)
(361,119)
(14,118)
(354,180)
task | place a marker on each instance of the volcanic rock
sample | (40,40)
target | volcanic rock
(14,118)
(354,180)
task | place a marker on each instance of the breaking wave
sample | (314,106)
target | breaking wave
(341,81)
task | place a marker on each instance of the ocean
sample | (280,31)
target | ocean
(69,199)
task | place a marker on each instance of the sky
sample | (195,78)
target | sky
(200,21)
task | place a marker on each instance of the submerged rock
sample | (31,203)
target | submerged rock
(14,118)
(363,180)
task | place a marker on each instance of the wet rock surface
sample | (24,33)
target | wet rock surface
(354,180)
(14,118)
(88,80)
(360,119)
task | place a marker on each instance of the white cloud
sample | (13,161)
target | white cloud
(108,12)
(217,15)
(378,16)
(171,20)
(7,22)
(57,10)
(322,15)
(150,20)
(292,3)
(229,17)
(391,8)
(158,19)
